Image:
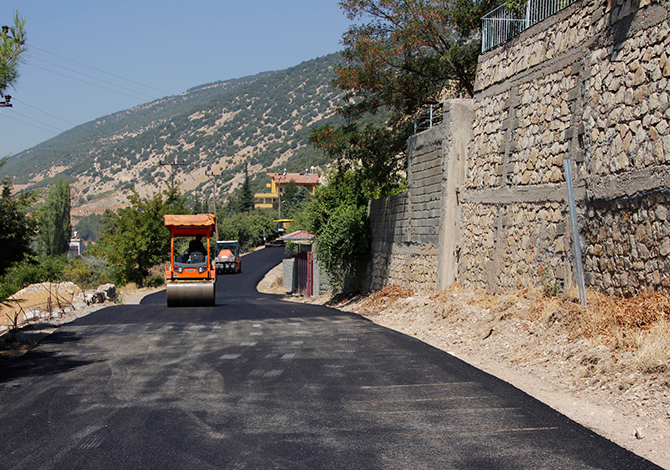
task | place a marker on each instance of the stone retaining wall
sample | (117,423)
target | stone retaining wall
(590,84)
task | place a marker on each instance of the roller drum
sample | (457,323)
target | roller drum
(191,294)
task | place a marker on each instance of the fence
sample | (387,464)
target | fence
(426,121)
(503,23)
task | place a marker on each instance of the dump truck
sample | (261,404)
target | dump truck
(228,258)
(191,276)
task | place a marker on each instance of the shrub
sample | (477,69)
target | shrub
(88,271)
(344,245)
(33,270)
(156,280)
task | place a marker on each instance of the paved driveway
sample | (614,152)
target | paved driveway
(262,384)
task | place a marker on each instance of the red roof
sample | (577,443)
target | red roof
(299,178)
(297,235)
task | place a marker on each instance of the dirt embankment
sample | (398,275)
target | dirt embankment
(606,367)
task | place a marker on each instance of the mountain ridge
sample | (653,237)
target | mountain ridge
(210,128)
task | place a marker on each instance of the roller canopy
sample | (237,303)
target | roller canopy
(181,225)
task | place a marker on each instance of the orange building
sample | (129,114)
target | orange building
(277,183)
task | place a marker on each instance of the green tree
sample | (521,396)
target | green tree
(229,208)
(199,205)
(135,239)
(54,229)
(293,199)
(88,228)
(401,56)
(406,53)
(17,226)
(290,190)
(247,228)
(337,216)
(12,47)
(375,155)
(246,195)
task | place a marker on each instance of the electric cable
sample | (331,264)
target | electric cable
(95,78)
(42,111)
(83,81)
(28,123)
(99,70)
(36,120)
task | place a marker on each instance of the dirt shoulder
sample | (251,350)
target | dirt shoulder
(133,295)
(609,385)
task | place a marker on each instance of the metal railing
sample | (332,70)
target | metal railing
(503,23)
(426,121)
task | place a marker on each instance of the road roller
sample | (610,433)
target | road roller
(191,276)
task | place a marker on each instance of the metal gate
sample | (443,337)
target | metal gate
(304,264)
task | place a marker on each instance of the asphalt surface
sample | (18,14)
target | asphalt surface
(258,383)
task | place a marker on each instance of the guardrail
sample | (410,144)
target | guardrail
(503,23)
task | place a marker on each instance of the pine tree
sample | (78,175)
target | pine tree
(12,46)
(54,230)
(247,196)
(198,204)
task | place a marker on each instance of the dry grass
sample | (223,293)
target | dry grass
(640,324)
(654,353)
(46,298)
(381,299)
(278,282)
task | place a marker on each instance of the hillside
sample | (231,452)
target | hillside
(210,128)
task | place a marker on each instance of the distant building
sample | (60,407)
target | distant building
(76,247)
(277,183)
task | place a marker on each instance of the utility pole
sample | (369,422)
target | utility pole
(172,170)
(214,192)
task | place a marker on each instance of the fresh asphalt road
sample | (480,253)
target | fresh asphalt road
(258,383)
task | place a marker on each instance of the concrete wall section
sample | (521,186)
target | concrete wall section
(289,275)
(396,257)
(414,234)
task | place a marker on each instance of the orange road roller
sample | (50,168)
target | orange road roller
(191,276)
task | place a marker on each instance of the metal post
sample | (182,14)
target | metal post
(576,248)
(214,193)
(431,116)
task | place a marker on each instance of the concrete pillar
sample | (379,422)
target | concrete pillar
(458,119)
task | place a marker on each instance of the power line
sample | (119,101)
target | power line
(36,120)
(99,70)
(41,111)
(96,78)
(28,123)
(84,81)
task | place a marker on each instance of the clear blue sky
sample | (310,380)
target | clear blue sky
(149,49)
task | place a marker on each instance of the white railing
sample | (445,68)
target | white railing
(432,118)
(504,23)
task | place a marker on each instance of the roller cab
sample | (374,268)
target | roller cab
(191,275)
